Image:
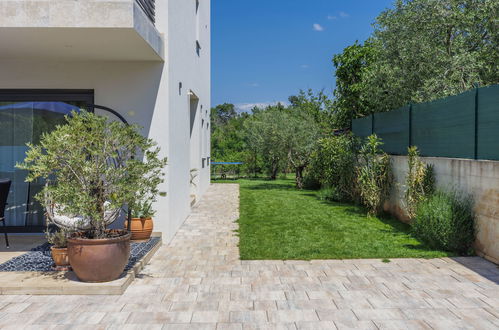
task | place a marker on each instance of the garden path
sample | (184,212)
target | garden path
(198,282)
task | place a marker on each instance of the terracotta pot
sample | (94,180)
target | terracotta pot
(60,256)
(99,260)
(141,228)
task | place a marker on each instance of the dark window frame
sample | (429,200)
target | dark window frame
(44,95)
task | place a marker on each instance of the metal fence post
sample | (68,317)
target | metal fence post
(410,125)
(476,123)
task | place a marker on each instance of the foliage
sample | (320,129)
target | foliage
(445,220)
(333,164)
(301,134)
(266,134)
(315,106)
(331,194)
(58,238)
(351,66)
(374,177)
(91,161)
(143,210)
(222,114)
(280,222)
(420,50)
(420,181)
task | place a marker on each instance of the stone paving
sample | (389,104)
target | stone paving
(198,282)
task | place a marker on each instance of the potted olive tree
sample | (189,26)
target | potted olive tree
(92,167)
(145,194)
(59,249)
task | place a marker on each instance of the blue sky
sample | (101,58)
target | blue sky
(266,50)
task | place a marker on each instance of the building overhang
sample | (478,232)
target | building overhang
(78,30)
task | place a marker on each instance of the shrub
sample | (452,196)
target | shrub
(445,220)
(420,181)
(374,175)
(333,164)
(310,181)
(92,166)
(330,194)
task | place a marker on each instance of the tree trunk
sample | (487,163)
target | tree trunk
(299,177)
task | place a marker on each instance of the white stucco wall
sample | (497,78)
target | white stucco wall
(147,93)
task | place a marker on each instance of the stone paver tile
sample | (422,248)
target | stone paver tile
(14,307)
(326,325)
(350,303)
(135,327)
(460,324)
(429,314)
(236,305)
(269,326)
(191,326)
(464,302)
(248,317)
(317,304)
(354,324)
(379,314)
(229,326)
(158,317)
(112,318)
(266,305)
(156,307)
(295,315)
(207,317)
(471,314)
(337,315)
(206,305)
(400,324)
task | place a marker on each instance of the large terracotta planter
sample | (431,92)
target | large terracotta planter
(60,257)
(99,260)
(141,228)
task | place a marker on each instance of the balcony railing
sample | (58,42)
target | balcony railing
(149,8)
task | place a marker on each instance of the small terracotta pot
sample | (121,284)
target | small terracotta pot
(99,260)
(60,256)
(141,228)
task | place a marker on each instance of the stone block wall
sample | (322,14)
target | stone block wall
(480,178)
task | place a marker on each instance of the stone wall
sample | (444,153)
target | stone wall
(477,177)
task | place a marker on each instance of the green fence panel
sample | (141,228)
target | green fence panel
(362,127)
(393,129)
(488,123)
(445,127)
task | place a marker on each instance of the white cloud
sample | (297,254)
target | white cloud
(331,17)
(318,27)
(247,107)
(343,14)
(304,66)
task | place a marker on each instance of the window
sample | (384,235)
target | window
(24,116)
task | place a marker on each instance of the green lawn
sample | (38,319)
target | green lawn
(279,222)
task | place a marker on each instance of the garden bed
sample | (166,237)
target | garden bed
(32,273)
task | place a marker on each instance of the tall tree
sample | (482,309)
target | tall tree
(266,134)
(351,66)
(420,50)
(301,135)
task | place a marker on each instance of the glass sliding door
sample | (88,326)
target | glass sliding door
(24,117)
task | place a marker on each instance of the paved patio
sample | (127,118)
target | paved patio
(198,282)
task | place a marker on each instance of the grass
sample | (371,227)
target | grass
(278,221)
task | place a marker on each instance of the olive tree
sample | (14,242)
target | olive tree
(92,166)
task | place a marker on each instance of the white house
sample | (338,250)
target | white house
(148,60)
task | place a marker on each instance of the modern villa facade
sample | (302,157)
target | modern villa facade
(147,60)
